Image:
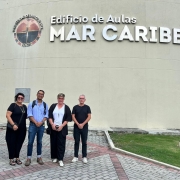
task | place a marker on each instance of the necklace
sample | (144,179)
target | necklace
(22,110)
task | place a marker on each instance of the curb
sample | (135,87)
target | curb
(111,144)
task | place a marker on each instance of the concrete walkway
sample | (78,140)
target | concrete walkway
(103,163)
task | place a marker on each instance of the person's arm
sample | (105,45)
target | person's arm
(68,118)
(9,119)
(62,125)
(42,122)
(31,118)
(9,112)
(52,124)
(87,120)
(74,119)
(73,116)
(45,117)
(51,109)
(30,114)
(80,126)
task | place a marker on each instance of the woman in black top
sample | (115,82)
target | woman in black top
(16,116)
(59,116)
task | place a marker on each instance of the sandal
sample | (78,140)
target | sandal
(11,162)
(18,161)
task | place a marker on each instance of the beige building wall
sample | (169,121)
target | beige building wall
(127,84)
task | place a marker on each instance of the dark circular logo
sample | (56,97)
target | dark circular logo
(27,32)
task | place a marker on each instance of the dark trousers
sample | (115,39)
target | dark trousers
(58,145)
(83,133)
(15,141)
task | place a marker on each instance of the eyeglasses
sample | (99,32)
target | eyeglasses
(20,98)
(81,98)
(61,98)
(41,94)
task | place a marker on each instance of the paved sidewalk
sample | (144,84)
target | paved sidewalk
(102,164)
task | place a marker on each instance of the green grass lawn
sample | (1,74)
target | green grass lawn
(163,148)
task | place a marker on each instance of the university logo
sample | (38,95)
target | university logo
(27,30)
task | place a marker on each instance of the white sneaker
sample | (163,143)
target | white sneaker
(54,160)
(85,160)
(75,159)
(61,163)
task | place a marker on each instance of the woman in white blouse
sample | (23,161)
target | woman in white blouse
(59,116)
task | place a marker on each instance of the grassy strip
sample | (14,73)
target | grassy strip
(163,148)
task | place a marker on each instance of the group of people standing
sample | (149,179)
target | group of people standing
(58,116)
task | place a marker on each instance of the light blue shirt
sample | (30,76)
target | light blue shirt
(37,111)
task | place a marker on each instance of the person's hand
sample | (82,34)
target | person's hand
(60,128)
(38,124)
(80,126)
(15,127)
(53,127)
(41,123)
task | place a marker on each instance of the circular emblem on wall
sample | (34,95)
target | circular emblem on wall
(27,30)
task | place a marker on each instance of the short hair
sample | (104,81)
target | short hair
(83,95)
(16,96)
(61,95)
(41,91)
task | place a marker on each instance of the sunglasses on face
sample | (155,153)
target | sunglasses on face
(21,98)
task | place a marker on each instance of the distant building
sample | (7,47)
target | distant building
(123,55)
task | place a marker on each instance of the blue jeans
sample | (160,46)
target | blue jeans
(33,130)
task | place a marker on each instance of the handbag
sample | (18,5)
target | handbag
(48,131)
(11,126)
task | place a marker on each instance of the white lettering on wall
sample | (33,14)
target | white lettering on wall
(153,34)
(176,36)
(110,32)
(88,31)
(73,34)
(53,33)
(165,35)
(125,34)
(141,31)
(104,33)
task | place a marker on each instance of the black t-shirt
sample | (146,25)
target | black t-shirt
(16,114)
(81,113)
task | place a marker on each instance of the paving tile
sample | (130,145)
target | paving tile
(138,169)
(102,164)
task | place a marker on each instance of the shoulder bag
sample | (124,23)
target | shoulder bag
(11,126)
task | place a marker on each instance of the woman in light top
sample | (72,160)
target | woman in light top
(59,116)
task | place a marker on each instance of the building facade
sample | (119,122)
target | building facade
(122,54)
